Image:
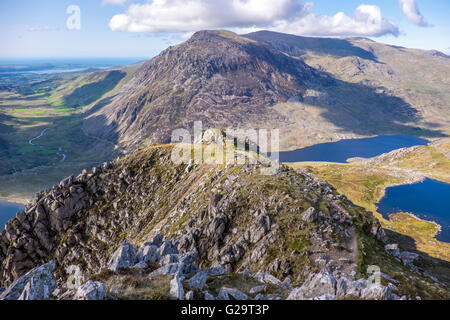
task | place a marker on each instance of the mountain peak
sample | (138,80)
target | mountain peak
(217,35)
(215,72)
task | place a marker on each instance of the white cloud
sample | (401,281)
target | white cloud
(113,2)
(290,16)
(412,13)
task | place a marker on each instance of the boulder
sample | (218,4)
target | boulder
(376,292)
(140,266)
(91,290)
(216,271)
(316,285)
(223,295)
(325,297)
(37,284)
(158,240)
(209,296)
(236,294)
(167,248)
(176,288)
(267,278)
(198,280)
(170,269)
(189,295)
(408,257)
(391,247)
(310,215)
(124,257)
(259,296)
(168,259)
(148,253)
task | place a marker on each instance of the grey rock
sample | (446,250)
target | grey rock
(408,257)
(257,289)
(158,240)
(325,297)
(167,248)
(260,228)
(315,286)
(124,257)
(391,247)
(176,288)
(180,269)
(37,284)
(216,271)
(310,215)
(354,288)
(140,265)
(223,295)
(259,296)
(148,253)
(273,297)
(91,290)
(168,259)
(267,278)
(189,295)
(236,294)
(376,292)
(286,284)
(209,296)
(341,287)
(198,280)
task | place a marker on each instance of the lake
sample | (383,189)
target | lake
(345,149)
(8,211)
(429,200)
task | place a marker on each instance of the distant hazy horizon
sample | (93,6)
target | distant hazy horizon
(72,60)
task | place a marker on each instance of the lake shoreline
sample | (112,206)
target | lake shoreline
(402,200)
(8,211)
(14,200)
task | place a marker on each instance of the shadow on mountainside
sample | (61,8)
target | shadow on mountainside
(93,91)
(433,266)
(98,127)
(365,110)
(298,46)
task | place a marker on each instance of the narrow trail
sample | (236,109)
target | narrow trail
(116,146)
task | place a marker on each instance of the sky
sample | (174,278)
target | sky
(143,28)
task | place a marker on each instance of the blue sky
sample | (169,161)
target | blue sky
(37,28)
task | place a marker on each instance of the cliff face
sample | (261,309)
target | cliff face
(216,77)
(289,224)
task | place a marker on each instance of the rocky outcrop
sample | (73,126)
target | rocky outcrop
(325,286)
(37,284)
(176,288)
(215,221)
(123,258)
(91,290)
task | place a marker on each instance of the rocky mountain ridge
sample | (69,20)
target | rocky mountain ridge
(286,225)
